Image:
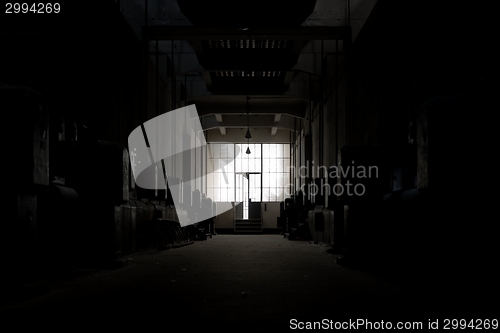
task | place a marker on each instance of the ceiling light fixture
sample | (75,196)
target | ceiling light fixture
(247,109)
(248,136)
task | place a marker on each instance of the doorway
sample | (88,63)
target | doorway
(248,213)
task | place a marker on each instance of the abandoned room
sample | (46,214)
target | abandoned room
(248,166)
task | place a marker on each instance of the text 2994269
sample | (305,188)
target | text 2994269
(32,8)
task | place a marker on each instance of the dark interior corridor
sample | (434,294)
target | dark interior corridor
(112,214)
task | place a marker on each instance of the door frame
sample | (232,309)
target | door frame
(247,175)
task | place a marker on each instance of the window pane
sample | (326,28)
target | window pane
(280,196)
(219,161)
(210,180)
(265,194)
(281,177)
(265,179)
(270,159)
(265,165)
(265,150)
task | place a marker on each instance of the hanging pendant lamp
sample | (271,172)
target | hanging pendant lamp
(248,136)
(247,109)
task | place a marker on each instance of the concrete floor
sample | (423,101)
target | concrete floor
(243,283)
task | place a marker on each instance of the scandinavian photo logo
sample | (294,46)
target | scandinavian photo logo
(353,172)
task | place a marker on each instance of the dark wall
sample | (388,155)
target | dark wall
(407,53)
(411,52)
(87,63)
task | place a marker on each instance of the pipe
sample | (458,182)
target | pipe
(172,74)
(349,12)
(157,93)
(321,101)
(336,100)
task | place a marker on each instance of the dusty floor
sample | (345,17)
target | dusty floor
(242,283)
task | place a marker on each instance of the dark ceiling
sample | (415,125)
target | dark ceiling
(222,51)
(266,51)
(246,14)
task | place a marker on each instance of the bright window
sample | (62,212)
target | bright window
(220,168)
(267,165)
(275,172)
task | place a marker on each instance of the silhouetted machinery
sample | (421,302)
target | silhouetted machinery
(399,202)
(25,180)
(294,216)
(207,207)
(88,209)
(363,179)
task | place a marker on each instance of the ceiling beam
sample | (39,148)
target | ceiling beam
(207,78)
(197,33)
(291,109)
(237,135)
(254,121)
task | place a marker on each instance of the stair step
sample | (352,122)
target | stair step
(248,225)
(252,224)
